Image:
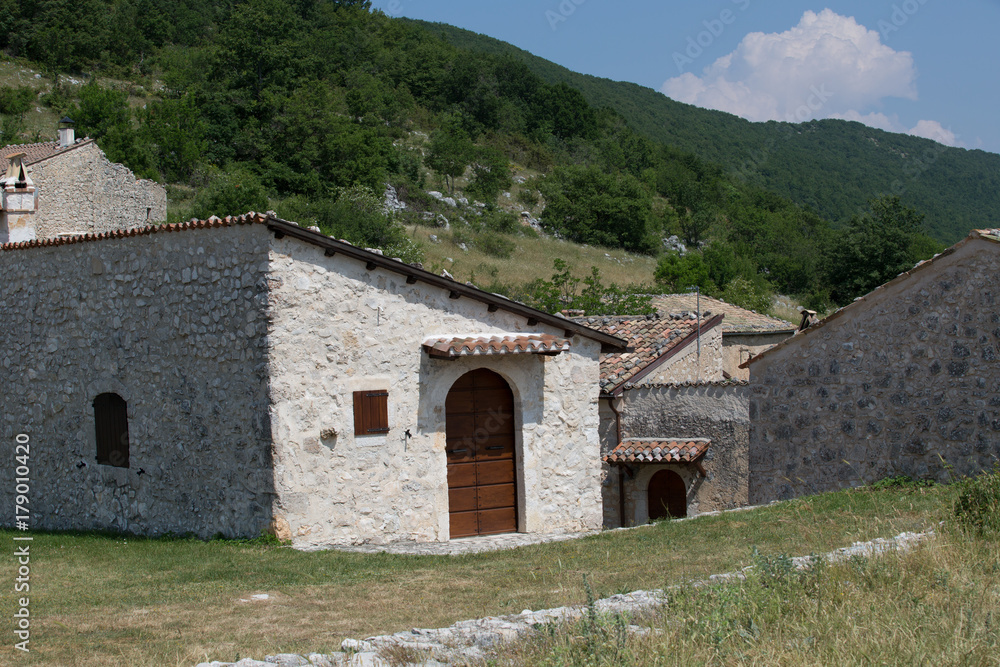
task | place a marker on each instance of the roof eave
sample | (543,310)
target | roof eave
(286,228)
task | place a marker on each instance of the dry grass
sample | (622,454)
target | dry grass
(938,605)
(105,600)
(533,259)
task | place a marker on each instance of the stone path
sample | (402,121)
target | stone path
(465,545)
(471,641)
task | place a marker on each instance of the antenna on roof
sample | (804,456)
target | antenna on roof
(697,289)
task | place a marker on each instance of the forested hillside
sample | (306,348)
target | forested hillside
(832,166)
(311,107)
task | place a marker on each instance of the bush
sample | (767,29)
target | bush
(495,245)
(977,508)
(233,191)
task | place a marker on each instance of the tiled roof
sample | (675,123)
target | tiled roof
(738,320)
(228,221)
(36,152)
(692,384)
(649,338)
(413,273)
(451,348)
(686,450)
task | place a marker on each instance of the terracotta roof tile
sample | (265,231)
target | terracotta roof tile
(451,348)
(649,338)
(36,152)
(228,221)
(684,450)
(738,320)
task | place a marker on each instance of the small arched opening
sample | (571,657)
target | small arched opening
(667,496)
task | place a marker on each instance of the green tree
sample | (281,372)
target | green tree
(490,173)
(355,214)
(589,206)
(231,191)
(450,152)
(876,246)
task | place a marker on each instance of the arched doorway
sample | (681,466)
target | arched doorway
(482,491)
(667,496)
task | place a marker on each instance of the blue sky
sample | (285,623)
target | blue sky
(927,67)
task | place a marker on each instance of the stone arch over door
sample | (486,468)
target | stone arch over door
(482,458)
(666,495)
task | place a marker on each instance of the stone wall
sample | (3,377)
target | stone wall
(905,381)
(691,366)
(173,323)
(717,411)
(738,348)
(80,190)
(339,328)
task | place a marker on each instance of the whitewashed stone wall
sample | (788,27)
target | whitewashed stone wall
(172,322)
(337,328)
(719,412)
(903,382)
(80,190)
(738,348)
(690,366)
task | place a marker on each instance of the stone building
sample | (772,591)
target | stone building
(239,375)
(70,187)
(905,380)
(673,429)
(745,333)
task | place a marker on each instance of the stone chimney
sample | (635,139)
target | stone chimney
(18,203)
(67,136)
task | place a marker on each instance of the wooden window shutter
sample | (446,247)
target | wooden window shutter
(371,412)
(111,426)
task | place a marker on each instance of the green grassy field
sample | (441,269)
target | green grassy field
(115,600)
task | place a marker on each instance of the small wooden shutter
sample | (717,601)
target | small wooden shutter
(111,425)
(371,412)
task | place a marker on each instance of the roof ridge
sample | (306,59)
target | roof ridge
(282,228)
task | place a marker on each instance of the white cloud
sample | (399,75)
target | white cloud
(931,129)
(827,66)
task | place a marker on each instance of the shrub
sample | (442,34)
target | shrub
(495,245)
(977,508)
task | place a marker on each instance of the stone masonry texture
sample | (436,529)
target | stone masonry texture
(237,354)
(80,190)
(903,382)
(337,328)
(718,412)
(175,324)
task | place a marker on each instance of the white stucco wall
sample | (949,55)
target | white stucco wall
(337,328)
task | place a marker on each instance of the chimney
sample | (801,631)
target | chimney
(808,319)
(18,203)
(67,136)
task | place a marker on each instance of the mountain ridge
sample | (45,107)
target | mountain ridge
(831,166)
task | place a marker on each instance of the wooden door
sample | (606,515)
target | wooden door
(482,489)
(667,496)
